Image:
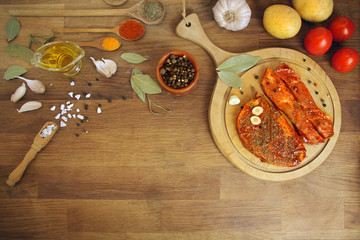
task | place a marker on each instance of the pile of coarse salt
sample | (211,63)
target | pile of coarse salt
(47,130)
(66,109)
(65,113)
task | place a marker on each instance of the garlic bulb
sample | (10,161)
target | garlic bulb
(18,94)
(29,106)
(232,15)
(35,85)
(106,67)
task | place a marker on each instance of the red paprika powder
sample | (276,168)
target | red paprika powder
(131,29)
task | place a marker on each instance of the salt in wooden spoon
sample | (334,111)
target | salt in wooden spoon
(115,30)
(39,142)
(135,11)
(98,43)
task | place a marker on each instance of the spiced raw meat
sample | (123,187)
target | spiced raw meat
(177,71)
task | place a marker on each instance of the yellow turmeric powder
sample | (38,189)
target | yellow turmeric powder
(110,44)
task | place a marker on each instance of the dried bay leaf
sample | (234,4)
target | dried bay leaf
(143,85)
(133,57)
(135,87)
(21,51)
(231,79)
(25,53)
(14,71)
(238,63)
(146,83)
(136,71)
(12,29)
(12,49)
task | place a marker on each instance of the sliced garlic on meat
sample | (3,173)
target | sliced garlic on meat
(255,120)
(257,110)
(234,100)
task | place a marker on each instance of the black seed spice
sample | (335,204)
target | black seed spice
(177,71)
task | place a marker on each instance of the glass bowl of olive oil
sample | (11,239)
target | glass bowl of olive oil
(64,57)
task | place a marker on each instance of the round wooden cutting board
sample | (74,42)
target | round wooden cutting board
(222,116)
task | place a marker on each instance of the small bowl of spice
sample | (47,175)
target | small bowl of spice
(178,72)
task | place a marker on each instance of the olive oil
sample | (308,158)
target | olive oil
(62,57)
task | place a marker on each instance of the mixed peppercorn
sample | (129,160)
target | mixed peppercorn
(177,71)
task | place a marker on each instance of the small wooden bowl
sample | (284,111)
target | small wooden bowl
(178,91)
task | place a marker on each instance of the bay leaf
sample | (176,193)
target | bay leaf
(238,63)
(231,79)
(12,29)
(135,87)
(25,53)
(133,57)
(12,49)
(14,71)
(136,71)
(147,84)
(21,51)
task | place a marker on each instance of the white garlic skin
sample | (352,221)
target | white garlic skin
(105,67)
(111,65)
(30,106)
(35,85)
(18,94)
(232,15)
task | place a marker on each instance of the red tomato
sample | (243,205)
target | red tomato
(341,28)
(318,41)
(345,59)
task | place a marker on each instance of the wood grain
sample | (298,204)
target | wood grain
(139,176)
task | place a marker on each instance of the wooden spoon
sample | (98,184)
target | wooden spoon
(114,30)
(38,143)
(98,43)
(115,3)
(135,11)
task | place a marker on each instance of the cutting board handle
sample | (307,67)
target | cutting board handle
(192,30)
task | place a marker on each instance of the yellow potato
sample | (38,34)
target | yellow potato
(314,10)
(281,21)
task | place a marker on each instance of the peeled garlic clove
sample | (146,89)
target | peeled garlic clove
(30,106)
(101,67)
(111,65)
(234,100)
(19,93)
(35,85)
(255,120)
(257,110)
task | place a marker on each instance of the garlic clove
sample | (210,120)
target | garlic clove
(234,100)
(111,65)
(30,106)
(18,94)
(102,67)
(257,110)
(35,85)
(255,120)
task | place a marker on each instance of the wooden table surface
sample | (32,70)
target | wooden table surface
(135,175)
